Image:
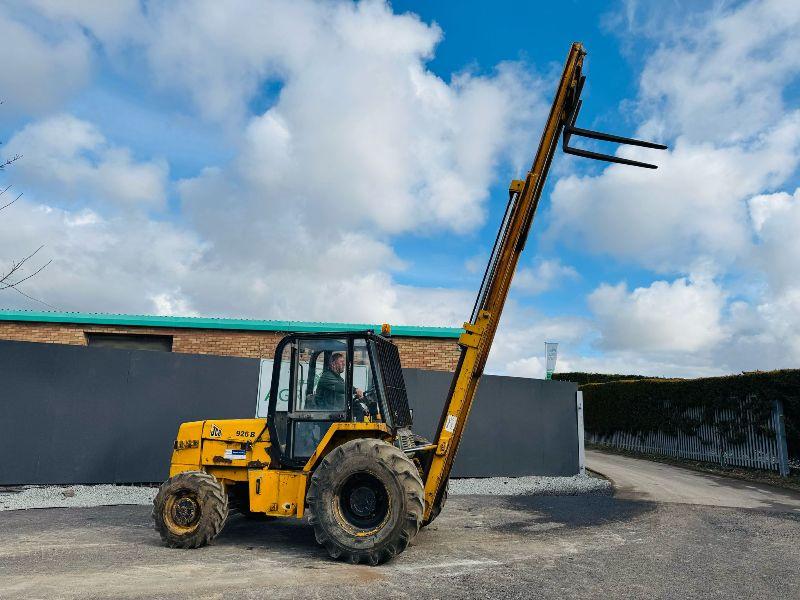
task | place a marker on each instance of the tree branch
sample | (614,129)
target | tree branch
(6,284)
(5,279)
(16,266)
(10,203)
(8,161)
(19,291)
(14,284)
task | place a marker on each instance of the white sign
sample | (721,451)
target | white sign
(450,423)
(551,354)
(235,454)
(264,380)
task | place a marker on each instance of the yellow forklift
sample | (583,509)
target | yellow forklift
(337,445)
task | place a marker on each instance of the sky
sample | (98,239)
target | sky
(349,162)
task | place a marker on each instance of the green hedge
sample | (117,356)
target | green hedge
(584,378)
(649,405)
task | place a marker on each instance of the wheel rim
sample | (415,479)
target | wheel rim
(363,502)
(182,511)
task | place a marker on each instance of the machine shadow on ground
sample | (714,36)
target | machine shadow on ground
(290,537)
(573,512)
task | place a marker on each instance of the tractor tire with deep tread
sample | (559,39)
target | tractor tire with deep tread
(190,509)
(365,501)
(438,506)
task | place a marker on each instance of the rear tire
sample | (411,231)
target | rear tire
(190,509)
(365,501)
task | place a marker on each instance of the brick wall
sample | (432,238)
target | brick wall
(435,354)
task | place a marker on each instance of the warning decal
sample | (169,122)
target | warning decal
(450,423)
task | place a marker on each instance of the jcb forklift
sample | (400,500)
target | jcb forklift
(337,445)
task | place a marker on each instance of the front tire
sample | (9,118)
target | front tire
(365,501)
(190,509)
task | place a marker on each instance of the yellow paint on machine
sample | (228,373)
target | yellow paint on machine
(237,451)
(235,430)
(226,448)
(278,493)
(476,341)
(339,433)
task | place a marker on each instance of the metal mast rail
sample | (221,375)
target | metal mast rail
(476,341)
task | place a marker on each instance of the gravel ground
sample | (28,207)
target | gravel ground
(530,486)
(78,496)
(503,547)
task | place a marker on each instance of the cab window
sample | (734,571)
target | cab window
(366,397)
(321,375)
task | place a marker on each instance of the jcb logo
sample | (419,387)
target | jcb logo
(215,431)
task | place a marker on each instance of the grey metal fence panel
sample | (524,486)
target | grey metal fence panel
(762,447)
(72,414)
(517,426)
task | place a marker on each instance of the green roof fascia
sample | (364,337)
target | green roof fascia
(213,323)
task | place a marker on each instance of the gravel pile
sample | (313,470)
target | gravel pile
(531,486)
(76,496)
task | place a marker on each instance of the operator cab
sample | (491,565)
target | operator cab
(323,378)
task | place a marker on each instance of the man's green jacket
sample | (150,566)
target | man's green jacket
(330,391)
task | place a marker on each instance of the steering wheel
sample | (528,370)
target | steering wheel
(369,401)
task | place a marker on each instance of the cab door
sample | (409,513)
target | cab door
(322,393)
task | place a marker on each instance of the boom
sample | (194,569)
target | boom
(476,341)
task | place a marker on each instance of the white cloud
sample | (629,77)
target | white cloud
(694,204)
(638,363)
(110,22)
(723,82)
(361,130)
(682,316)
(532,366)
(782,317)
(776,221)
(69,160)
(172,303)
(395,156)
(362,142)
(477,263)
(40,71)
(715,88)
(518,348)
(115,264)
(543,276)
(355,140)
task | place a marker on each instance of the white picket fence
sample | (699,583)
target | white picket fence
(760,449)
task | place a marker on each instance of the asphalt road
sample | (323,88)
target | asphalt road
(480,547)
(636,479)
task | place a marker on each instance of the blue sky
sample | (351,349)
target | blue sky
(349,162)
